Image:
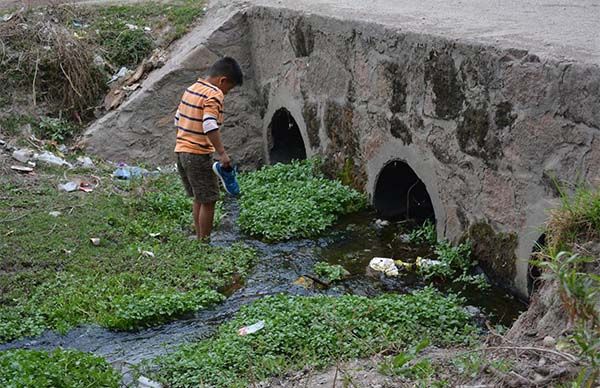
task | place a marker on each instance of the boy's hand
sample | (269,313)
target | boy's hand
(225,160)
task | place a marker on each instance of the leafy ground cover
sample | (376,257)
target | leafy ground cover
(304,332)
(59,368)
(330,273)
(294,200)
(144,271)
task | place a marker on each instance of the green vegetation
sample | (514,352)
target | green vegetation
(144,271)
(425,234)
(330,273)
(294,200)
(313,331)
(58,368)
(573,224)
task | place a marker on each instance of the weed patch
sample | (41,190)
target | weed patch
(58,368)
(330,273)
(294,200)
(144,272)
(313,332)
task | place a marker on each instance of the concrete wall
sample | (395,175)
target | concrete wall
(485,129)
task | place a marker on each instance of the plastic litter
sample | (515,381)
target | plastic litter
(86,187)
(95,241)
(144,382)
(54,214)
(385,265)
(85,162)
(126,172)
(120,74)
(404,264)
(69,186)
(425,263)
(22,169)
(252,328)
(22,155)
(382,223)
(51,159)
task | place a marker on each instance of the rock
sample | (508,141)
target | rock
(305,282)
(23,155)
(53,160)
(549,342)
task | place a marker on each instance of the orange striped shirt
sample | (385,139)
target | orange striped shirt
(200,112)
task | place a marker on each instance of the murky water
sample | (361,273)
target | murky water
(352,243)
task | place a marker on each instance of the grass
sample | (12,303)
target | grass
(312,332)
(58,368)
(330,273)
(574,223)
(144,272)
(294,200)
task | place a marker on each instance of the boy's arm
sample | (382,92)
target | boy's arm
(215,139)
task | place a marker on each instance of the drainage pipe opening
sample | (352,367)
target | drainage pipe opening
(401,194)
(285,139)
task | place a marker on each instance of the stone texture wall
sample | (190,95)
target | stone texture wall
(486,130)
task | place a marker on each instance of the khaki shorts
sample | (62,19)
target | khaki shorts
(198,177)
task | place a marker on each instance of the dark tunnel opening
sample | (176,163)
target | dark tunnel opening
(534,273)
(400,194)
(285,140)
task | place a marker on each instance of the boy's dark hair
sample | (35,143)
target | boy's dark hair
(227,67)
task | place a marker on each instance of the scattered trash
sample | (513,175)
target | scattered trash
(51,159)
(63,149)
(425,263)
(2,143)
(404,264)
(7,17)
(385,265)
(114,99)
(86,187)
(146,253)
(147,29)
(382,223)
(144,382)
(404,238)
(99,61)
(69,186)
(132,27)
(22,169)
(120,74)
(23,155)
(128,172)
(252,328)
(154,235)
(85,162)
(95,241)
(131,88)
(305,282)
(55,213)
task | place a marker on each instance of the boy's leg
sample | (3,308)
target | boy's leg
(206,216)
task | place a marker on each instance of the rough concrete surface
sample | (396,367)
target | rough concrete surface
(487,102)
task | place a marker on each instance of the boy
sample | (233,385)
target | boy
(198,118)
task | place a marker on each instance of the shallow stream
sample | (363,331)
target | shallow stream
(352,243)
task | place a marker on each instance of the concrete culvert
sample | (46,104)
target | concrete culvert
(400,194)
(285,139)
(534,273)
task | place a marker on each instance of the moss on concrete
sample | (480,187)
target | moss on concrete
(441,72)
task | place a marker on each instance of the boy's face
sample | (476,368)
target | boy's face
(225,84)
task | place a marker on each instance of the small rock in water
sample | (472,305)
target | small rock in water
(549,341)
